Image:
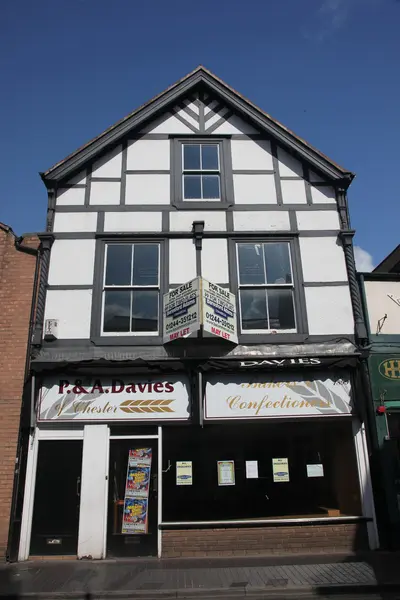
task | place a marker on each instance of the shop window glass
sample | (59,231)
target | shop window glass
(131,289)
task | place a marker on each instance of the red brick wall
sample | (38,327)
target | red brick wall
(17,271)
(343,537)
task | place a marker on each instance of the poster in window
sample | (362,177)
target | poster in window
(135,515)
(280,470)
(226,472)
(184,472)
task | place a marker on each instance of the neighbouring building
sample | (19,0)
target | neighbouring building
(17,276)
(195,364)
(381,296)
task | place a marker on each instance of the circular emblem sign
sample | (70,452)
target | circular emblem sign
(390,368)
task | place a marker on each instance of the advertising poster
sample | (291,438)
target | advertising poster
(184,472)
(135,516)
(251,469)
(226,472)
(280,470)
(316,470)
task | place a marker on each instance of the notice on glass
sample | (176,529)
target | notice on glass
(226,472)
(184,472)
(251,469)
(315,470)
(280,470)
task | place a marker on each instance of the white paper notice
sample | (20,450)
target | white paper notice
(315,470)
(251,469)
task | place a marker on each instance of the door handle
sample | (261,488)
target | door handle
(78,486)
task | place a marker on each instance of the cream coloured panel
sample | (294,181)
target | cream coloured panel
(323,195)
(151,155)
(71,197)
(288,165)
(147,189)
(72,262)
(234,125)
(75,222)
(110,165)
(383,298)
(293,191)
(167,124)
(183,220)
(132,221)
(254,189)
(266,220)
(105,192)
(251,154)
(329,310)
(72,309)
(214,261)
(317,219)
(182,261)
(322,259)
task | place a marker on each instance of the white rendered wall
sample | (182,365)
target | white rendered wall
(254,189)
(75,222)
(182,261)
(147,189)
(93,506)
(136,221)
(250,154)
(322,259)
(72,308)
(266,220)
(72,262)
(183,220)
(109,165)
(329,310)
(70,197)
(214,260)
(317,220)
(105,192)
(148,155)
(383,298)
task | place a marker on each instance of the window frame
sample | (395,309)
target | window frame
(225,173)
(299,302)
(97,335)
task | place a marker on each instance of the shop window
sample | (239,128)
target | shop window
(322,479)
(131,289)
(266,287)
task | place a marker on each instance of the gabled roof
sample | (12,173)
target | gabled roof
(160,103)
(390,264)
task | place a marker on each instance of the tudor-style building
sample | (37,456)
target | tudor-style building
(195,364)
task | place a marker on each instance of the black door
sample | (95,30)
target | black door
(134,543)
(56,506)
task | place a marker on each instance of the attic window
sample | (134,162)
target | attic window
(201,172)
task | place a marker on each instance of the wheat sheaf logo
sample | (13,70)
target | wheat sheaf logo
(146,406)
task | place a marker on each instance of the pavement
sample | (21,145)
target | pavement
(372,576)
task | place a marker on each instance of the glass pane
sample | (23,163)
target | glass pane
(145,264)
(209,158)
(251,264)
(253,305)
(191,187)
(118,269)
(117,309)
(210,187)
(281,310)
(145,311)
(191,157)
(277,263)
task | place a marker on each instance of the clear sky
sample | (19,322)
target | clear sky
(327,69)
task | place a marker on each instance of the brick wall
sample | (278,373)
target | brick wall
(343,537)
(17,271)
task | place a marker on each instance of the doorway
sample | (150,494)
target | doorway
(55,519)
(132,498)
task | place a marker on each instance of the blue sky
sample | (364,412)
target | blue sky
(327,69)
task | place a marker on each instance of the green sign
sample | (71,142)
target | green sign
(385,377)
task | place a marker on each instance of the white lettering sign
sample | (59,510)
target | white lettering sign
(138,399)
(265,395)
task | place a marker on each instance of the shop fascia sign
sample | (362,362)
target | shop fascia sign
(199,305)
(119,399)
(260,396)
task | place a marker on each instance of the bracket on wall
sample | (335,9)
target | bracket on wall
(198,230)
